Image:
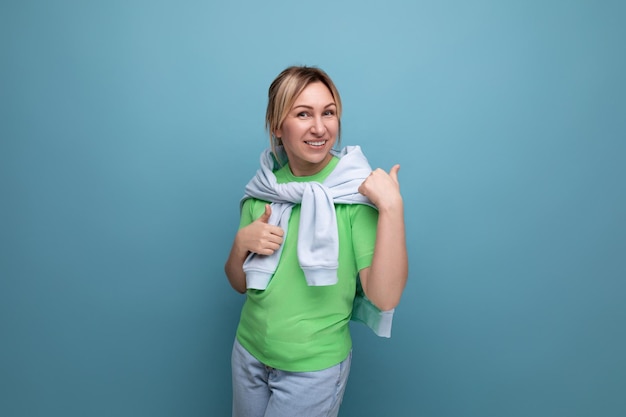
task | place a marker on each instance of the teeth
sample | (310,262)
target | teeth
(320,143)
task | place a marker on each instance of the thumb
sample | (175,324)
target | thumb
(393,173)
(266,216)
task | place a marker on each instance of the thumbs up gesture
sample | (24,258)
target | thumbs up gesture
(260,236)
(382,188)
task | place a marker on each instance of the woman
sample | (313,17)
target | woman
(313,219)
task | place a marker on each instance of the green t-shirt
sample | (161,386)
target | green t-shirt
(296,327)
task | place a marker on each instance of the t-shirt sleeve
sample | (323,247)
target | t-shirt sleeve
(364,222)
(251,210)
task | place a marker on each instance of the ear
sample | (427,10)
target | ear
(278,133)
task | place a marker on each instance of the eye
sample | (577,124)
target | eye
(303,114)
(329,113)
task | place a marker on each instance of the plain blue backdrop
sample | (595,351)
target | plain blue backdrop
(129,129)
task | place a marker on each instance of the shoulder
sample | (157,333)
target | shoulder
(252,208)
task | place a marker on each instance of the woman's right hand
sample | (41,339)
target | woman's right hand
(257,237)
(260,236)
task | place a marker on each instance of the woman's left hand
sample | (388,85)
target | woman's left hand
(382,188)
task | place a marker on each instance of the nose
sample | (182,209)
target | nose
(318,128)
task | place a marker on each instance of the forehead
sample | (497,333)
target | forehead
(317,93)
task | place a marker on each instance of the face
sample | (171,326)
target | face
(310,130)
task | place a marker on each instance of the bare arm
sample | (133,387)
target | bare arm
(384,281)
(258,237)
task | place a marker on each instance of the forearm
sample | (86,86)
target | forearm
(385,279)
(234,268)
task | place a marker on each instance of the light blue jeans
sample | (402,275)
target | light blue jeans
(261,391)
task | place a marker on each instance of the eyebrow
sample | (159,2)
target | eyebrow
(311,107)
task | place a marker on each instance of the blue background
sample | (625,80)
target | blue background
(129,128)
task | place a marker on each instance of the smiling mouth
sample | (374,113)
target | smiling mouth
(316,143)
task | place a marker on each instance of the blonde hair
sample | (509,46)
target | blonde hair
(284,91)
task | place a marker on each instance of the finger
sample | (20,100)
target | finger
(265,251)
(270,246)
(274,245)
(266,216)
(393,173)
(277,231)
(361,188)
(275,238)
